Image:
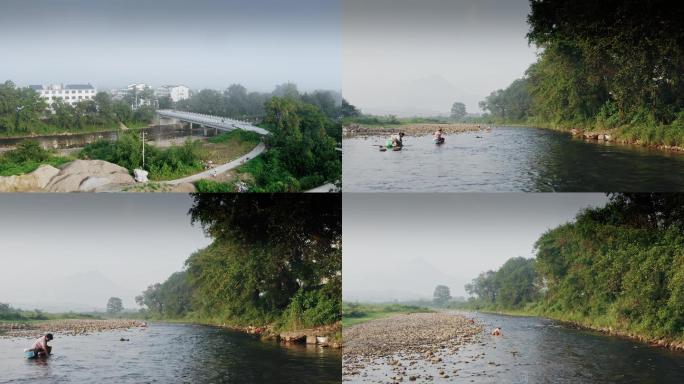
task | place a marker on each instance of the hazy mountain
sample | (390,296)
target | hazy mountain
(413,280)
(87,291)
(427,96)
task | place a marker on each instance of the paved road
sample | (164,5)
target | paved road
(258,150)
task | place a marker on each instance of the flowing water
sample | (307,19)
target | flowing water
(169,353)
(536,350)
(508,159)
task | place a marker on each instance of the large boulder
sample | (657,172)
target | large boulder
(30,182)
(87,176)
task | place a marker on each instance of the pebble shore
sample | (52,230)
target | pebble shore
(410,129)
(65,327)
(412,346)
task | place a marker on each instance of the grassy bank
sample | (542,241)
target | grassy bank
(354,313)
(27,157)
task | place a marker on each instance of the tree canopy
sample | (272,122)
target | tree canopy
(114,305)
(274,258)
(607,64)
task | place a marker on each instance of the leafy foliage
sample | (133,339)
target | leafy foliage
(126,151)
(441,296)
(114,305)
(619,266)
(275,258)
(23,111)
(28,156)
(609,65)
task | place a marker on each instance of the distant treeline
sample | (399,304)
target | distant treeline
(619,266)
(275,259)
(236,102)
(603,65)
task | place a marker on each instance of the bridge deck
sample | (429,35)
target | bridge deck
(218,122)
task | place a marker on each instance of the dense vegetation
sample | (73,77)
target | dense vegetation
(619,266)
(23,112)
(302,153)
(162,163)
(10,314)
(275,259)
(603,65)
(28,156)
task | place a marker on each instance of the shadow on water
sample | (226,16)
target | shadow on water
(170,353)
(508,159)
(536,350)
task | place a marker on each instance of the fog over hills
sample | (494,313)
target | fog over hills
(64,252)
(87,291)
(400,246)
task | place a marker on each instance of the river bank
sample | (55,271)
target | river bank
(328,336)
(605,136)
(65,327)
(611,330)
(410,129)
(408,343)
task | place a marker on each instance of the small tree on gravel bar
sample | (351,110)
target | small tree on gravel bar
(114,305)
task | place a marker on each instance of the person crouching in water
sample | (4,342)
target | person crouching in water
(40,346)
(438,136)
(395,141)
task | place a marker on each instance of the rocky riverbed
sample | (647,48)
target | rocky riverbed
(65,327)
(409,347)
(410,129)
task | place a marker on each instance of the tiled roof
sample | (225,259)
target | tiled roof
(36,87)
(79,86)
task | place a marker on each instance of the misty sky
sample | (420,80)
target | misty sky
(409,57)
(199,43)
(400,246)
(76,250)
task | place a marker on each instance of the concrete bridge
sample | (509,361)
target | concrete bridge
(170,116)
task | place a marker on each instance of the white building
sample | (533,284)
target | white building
(71,93)
(135,90)
(175,92)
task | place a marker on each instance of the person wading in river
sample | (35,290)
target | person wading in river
(438,136)
(395,141)
(40,346)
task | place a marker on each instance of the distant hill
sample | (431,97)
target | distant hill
(414,280)
(87,291)
(427,96)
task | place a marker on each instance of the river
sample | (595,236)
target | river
(536,350)
(169,353)
(510,159)
(158,135)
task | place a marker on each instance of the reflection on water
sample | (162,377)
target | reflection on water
(508,159)
(535,350)
(168,353)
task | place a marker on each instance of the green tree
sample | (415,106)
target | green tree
(266,249)
(287,91)
(441,296)
(458,111)
(151,298)
(349,110)
(114,306)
